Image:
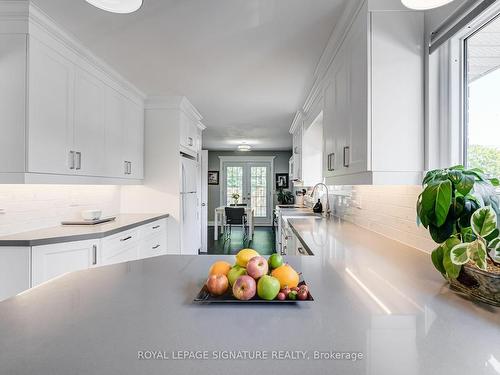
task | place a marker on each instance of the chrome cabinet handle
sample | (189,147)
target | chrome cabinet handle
(155,247)
(190,141)
(347,156)
(301,250)
(156,227)
(331,162)
(94,255)
(126,238)
(129,167)
(72,160)
(78,160)
(125,163)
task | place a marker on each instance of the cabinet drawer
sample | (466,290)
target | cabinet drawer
(153,246)
(121,247)
(153,229)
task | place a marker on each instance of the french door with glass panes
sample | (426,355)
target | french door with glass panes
(250,182)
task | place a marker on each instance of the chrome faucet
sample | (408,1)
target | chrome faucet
(328,212)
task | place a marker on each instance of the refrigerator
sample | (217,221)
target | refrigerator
(190,215)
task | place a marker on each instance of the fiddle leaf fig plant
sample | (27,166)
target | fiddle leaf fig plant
(460,208)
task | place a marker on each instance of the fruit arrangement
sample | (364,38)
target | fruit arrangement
(255,277)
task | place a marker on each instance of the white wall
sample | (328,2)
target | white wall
(29,207)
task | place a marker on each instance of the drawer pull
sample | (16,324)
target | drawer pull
(156,227)
(94,255)
(126,238)
(156,247)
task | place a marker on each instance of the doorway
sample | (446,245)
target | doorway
(250,182)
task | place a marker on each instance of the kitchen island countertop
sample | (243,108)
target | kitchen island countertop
(372,295)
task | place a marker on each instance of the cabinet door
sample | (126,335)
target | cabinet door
(187,132)
(328,130)
(297,153)
(354,153)
(89,130)
(133,147)
(114,126)
(50,124)
(49,261)
(153,246)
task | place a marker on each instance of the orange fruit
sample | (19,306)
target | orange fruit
(286,275)
(219,268)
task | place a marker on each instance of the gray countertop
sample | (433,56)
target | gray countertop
(372,295)
(67,233)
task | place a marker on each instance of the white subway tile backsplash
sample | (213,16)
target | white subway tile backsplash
(30,207)
(387,210)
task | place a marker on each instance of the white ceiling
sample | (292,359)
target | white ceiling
(246,65)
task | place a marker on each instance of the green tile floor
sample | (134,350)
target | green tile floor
(263,241)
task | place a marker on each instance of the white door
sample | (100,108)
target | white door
(50,129)
(204,200)
(49,261)
(252,182)
(89,131)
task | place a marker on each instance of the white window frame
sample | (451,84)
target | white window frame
(446,138)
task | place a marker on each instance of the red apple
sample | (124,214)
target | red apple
(286,290)
(217,284)
(244,288)
(257,267)
(281,296)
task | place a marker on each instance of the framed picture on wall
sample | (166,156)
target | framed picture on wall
(282,181)
(213,177)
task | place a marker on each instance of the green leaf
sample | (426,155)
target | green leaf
(437,259)
(494,244)
(484,221)
(457,168)
(465,184)
(477,253)
(442,233)
(493,235)
(459,254)
(494,181)
(443,201)
(452,270)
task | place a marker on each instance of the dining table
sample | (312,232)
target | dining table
(220,219)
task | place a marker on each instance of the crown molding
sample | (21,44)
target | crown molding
(175,102)
(297,121)
(337,37)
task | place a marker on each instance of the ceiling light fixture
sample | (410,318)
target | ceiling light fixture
(424,4)
(244,147)
(117,6)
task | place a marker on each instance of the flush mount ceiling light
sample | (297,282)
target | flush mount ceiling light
(244,147)
(117,6)
(424,4)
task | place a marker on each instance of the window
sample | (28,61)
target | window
(482,99)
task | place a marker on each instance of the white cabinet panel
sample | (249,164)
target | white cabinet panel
(89,129)
(14,270)
(50,131)
(49,261)
(133,147)
(115,140)
(153,246)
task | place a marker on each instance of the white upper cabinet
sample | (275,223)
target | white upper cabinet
(373,126)
(69,118)
(50,119)
(89,129)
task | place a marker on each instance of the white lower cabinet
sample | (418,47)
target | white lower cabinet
(49,261)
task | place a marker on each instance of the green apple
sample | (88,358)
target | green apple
(234,273)
(275,261)
(268,287)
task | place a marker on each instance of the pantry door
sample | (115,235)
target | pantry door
(251,180)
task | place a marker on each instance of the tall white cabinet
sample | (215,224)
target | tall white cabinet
(70,118)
